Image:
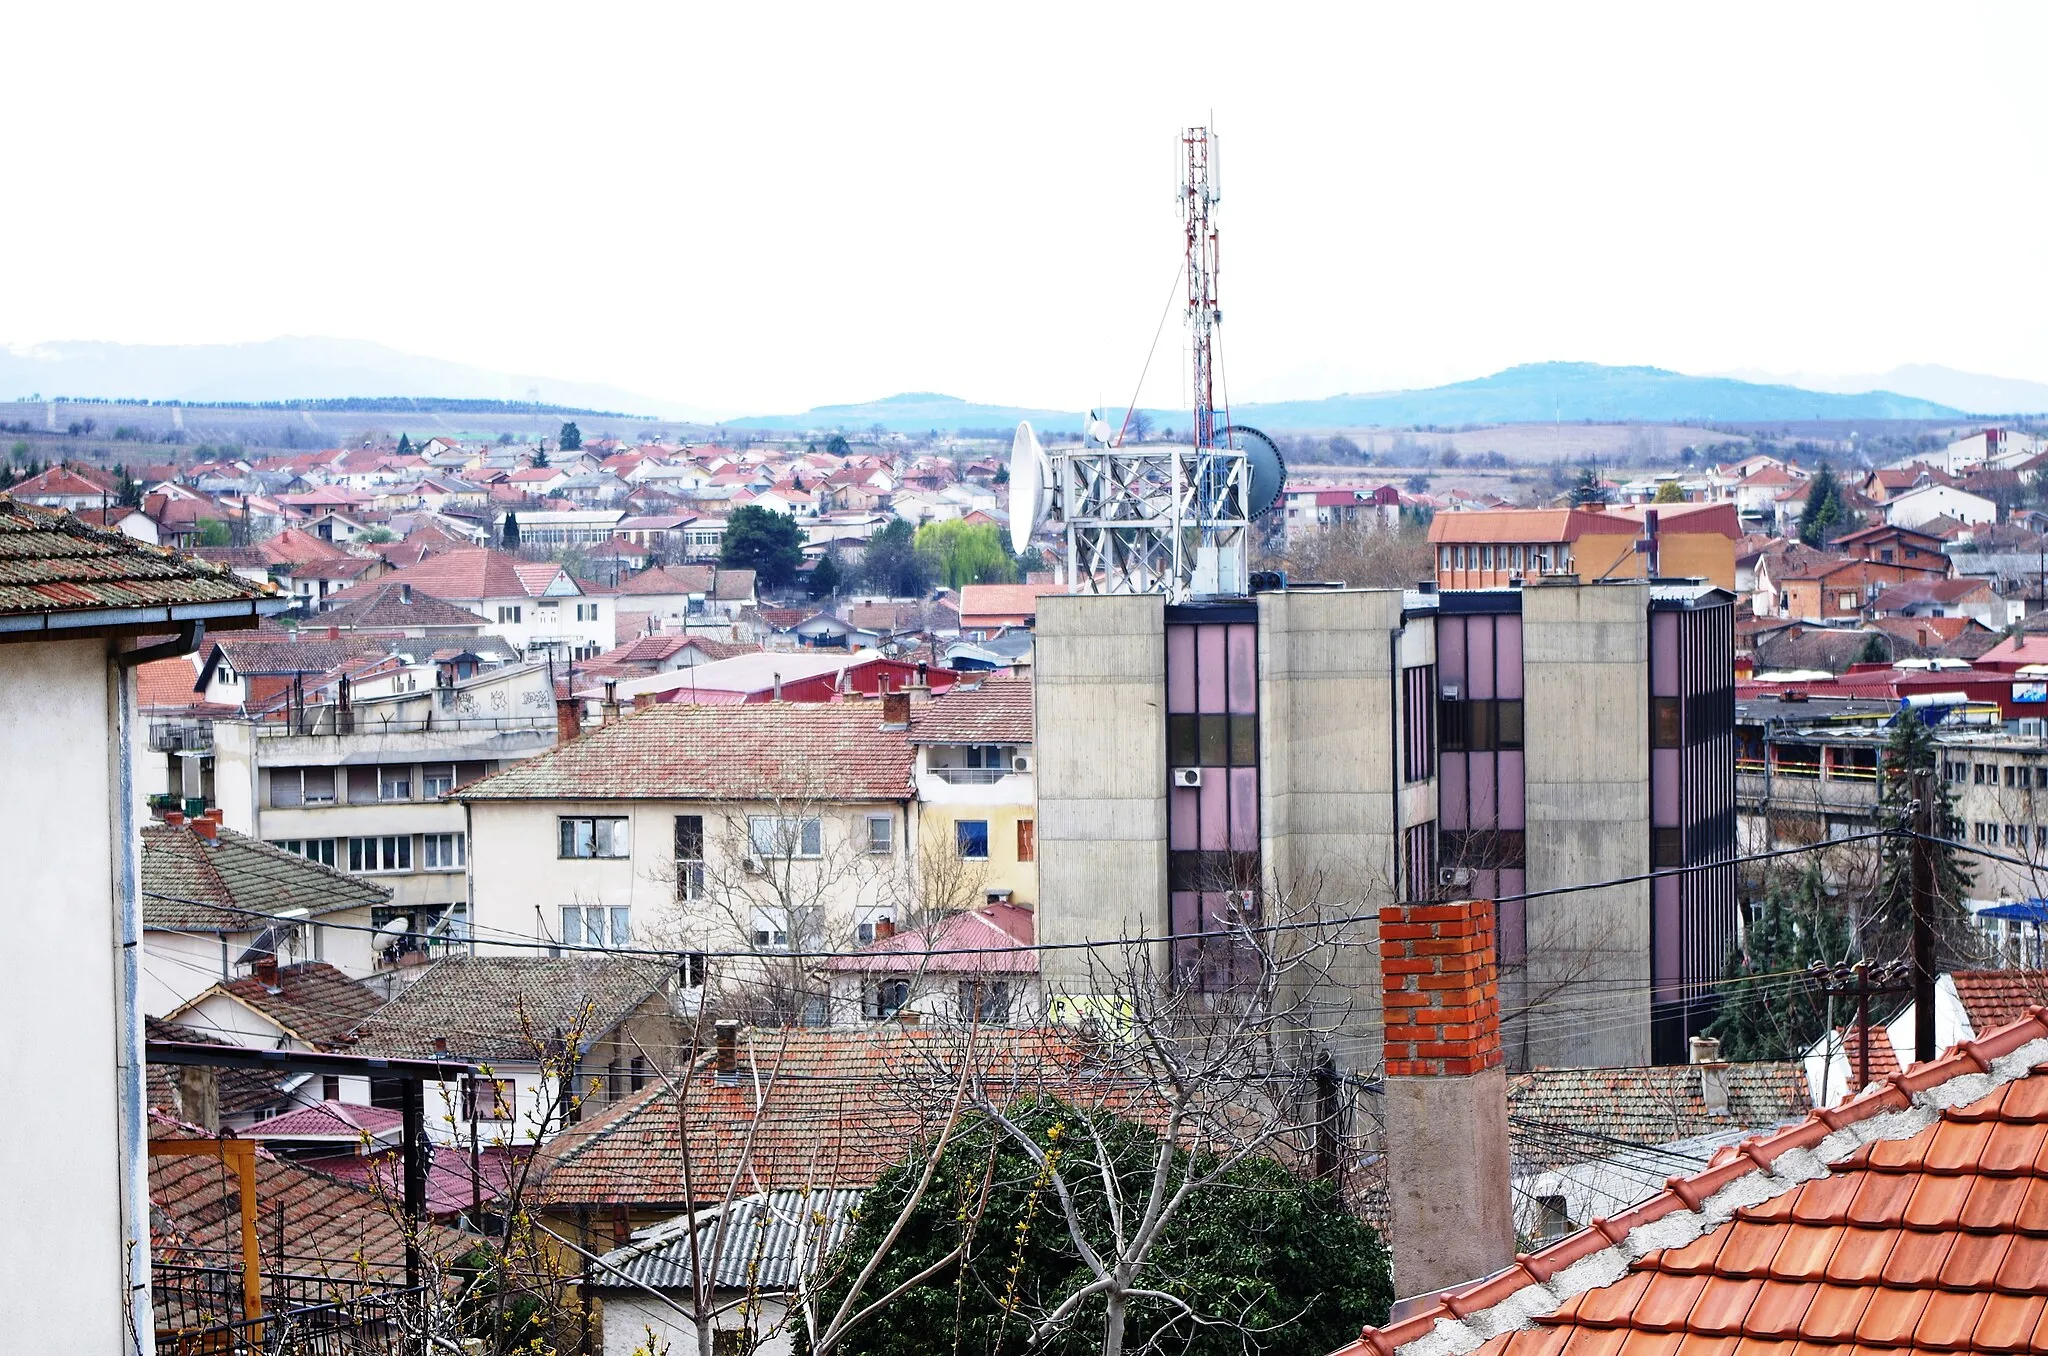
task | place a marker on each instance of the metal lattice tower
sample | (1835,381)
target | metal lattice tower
(1167,519)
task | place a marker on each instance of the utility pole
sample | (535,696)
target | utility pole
(1861,982)
(1922,811)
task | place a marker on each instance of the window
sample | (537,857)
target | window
(771,930)
(2009,836)
(1847,602)
(881,835)
(319,850)
(488,1099)
(596,925)
(508,612)
(1667,849)
(586,612)
(2008,777)
(437,780)
(781,836)
(291,787)
(970,838)
(985,1000)
(1418,859)
(689,856)
(595,836)
(1418,722)
(1479,726)
(392,852)
(1027,840)
(330,1087)
(394,783)
(1486,557)
(885,999)
(1885,555)
(1446,558)
(639,1072)
(1664,722)
(443,851)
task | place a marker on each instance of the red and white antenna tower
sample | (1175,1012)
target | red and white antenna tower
(1200,189)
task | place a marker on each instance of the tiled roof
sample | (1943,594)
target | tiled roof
(1914,1218)
(1526,525)
(167,684)
(1992,998)
(836,1108)
(1004,600)
(64,480)
(330,1120)
(383,605)
(238,1090)
(330,1227)
(798,750)
(669,579)
(295,546)
(314,1003)
(1645,1105)
(969,934)
(501,1007)
(276,657)
(50,563)
(194,883)
(995,711)
(477,572)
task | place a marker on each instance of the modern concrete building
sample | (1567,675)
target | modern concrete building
(1338,750)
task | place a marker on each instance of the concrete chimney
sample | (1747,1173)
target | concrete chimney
(1446,1096)
(1705,1054)
(642,700)
(196,1089)
(726,1062)
(568,718)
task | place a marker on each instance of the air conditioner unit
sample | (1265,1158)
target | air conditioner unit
(753,865)
(1454,875)
(1020,764)
(1187,776)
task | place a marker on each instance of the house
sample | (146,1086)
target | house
(536,607)
(214,901)
(1920,506)
(1899,1221)
(1999,448)
(961,965)
(758,1249)
(988,608)
(82,609)
(131,521)
(1491,548)
(77,488)
(1973,598)
(760,676)
(1308,507)
(312,582)
(555,1038)
(774,826)
(1967,1004)
(1888,544)
(309,1005)
(689,593)
(976,788)
(396,609)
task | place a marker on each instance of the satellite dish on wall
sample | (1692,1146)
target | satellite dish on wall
(1030,491)
(1267,470)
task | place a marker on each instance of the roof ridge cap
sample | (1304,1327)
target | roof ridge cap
(1898,1107)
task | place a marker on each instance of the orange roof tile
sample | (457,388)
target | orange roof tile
(1526,525)
(1003,600)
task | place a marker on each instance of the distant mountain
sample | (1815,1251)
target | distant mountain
(289,369)
(1534,393)
(1971,391)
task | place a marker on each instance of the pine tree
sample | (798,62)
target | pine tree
(1586,489)
(511,532)
(404,445)
(1888,932)
(1876,649)
(1768,1009)
(570,439)
(825,576)
(1826,508)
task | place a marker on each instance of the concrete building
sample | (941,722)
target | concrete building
(1342,749)
(74,1208)
(1497,548)
(977,796)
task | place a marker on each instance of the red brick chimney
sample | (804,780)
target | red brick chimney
(568,718)
(726,1063)
(895,710)
(207,826)
(1446,1096)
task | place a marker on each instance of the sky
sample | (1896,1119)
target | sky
(759,209)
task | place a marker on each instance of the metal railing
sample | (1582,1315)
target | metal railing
(328,720)
(172,736)
(970,776)
(199,1309)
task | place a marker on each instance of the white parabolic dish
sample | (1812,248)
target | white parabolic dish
(1028,496)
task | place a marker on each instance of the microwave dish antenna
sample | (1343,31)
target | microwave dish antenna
(1031,487)
(1265,467)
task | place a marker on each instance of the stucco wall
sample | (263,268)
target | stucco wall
(60,1208)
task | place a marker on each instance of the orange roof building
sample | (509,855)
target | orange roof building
(1494,548)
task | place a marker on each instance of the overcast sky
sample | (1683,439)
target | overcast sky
(758,209)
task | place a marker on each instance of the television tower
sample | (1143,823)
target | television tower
(1200,189)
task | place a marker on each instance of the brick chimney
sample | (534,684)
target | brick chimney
(568,718)
(1446,1096)
(895,710)
(207,826)
(174,817)
(885,928)
(725,1064)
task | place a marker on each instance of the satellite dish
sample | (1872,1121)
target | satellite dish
(395,927)
(1267,471)
(1029,498)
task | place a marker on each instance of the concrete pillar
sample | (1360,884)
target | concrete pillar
(1452,1212)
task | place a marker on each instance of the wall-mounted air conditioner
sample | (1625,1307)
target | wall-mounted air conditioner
(1187,776)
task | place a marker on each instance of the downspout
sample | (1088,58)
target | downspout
(129,1061)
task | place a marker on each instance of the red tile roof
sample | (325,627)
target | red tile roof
(231,883)
(975,938)
(315,1003)
(1527,525)
(476,572)
(1992,998)
(1912,1218)
(995,711)
(53,565)
(503,1007)
(785,750)
(330,1120)
(982,604)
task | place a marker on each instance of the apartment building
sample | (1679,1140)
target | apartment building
(1499,548)
(1341,749)
(362,786)
(977,795)
(536,607)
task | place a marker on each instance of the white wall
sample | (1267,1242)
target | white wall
(61,1243)
(628,1317)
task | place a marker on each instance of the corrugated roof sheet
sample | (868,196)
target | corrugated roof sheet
(52,563)
(769,1241)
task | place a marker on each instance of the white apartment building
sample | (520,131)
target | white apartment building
(534,606)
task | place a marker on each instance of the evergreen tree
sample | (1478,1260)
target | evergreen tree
(768,543)
(511,533)
(836,446)
(1826,509)
(891,565)
(540,456)
(825,576)
(126,491)
(1768,1009)
(404,445)
(571,438)
(1888,932)
(1876,649)
(1586,489)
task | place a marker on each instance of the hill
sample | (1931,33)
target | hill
(1972,391)
(1533,393)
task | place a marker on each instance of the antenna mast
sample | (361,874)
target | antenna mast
(1200,188)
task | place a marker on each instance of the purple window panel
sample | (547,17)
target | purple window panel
(1512,919)
(1186,908)
(1180,669)
(1664,654)
(1215,794)
(1483,814)
(1450,650)
(1513,798)
(1183,815)
(1485,884)
(1664,788)
(1507,658)
(1479,659)
(1451,796)
(1244,668)
(1244,809)
(1667,959)
(1209,675)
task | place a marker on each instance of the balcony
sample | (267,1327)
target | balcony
(1793,783)
(970,776)
(180,736)
(203,1306)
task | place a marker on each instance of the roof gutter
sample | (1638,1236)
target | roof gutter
(178,613)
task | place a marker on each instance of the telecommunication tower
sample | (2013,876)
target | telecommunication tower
(1171,519)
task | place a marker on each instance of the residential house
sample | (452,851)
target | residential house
(986,609)
(760,676)
(395,609)
(566,527)
(1968,1004)
(555,1039)
(82,608)
(976,789)
(1918,507)
(693,594)
(1888,544)
(76,488)
(972,964)
(771,825)
(536,607)
(305,1006)
(1966,597)
(312,583)
(1999,448)
(215,901)
(1308,507)
(1494,548)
